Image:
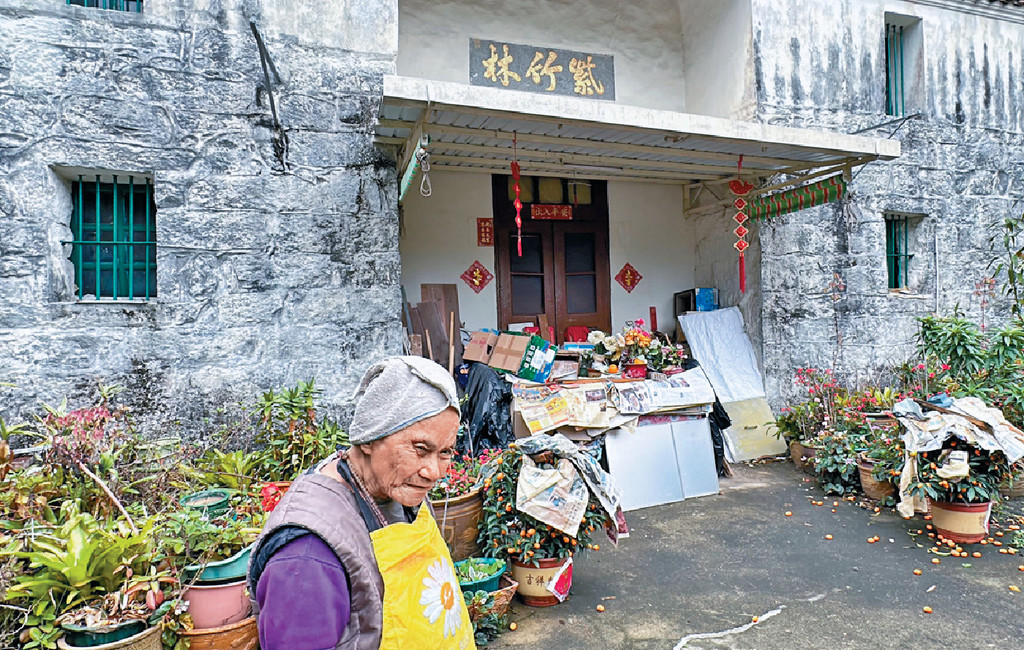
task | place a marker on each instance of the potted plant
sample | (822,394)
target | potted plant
(479,573)
(1013,486)
(82,562)
(291,438)
(881,463)
(212,555)
(960,506)
(538,552)
(803,424)
(458,505)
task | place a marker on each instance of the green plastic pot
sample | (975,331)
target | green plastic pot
(233,568)
(213,503)
(487,584)
(77,636)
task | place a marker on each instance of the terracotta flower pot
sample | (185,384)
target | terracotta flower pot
(873,489)
(965,523)
(533,581)
(216,605)
(802,455)
(243,635)
(459,521)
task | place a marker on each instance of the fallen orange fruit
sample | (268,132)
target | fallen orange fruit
(977,554)
(512,626)
(1015,588)
(789,514)
(936,560)
(926,609)
(754,620)
(917,572)
(600,608)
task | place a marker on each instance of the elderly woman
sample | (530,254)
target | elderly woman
(352,557)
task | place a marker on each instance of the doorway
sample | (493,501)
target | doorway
(563,271)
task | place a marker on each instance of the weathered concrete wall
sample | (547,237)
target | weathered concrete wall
(267,273)
(821,64)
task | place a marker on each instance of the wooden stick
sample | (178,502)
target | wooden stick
(110,495)
(430,348)
(451,342)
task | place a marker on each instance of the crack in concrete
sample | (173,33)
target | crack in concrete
(740,629)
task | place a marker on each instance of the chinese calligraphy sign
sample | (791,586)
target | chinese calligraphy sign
(477,276)
(544,211)
(628,277)
(485,232)
(541,69)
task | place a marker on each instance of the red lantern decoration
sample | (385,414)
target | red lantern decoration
(517,202)
(741,188)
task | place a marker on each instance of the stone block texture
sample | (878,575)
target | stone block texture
(822,65)
(277,256)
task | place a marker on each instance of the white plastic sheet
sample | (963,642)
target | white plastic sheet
(719,342)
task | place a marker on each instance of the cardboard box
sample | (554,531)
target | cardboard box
(509,350)
(480,346)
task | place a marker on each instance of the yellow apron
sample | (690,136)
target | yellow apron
(423,604)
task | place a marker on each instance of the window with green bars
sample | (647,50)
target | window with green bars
(116,5)
(897,250)
(895,77)
(114,245)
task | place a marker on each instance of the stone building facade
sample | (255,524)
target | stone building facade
(277,239)
(276,261)
(961,173)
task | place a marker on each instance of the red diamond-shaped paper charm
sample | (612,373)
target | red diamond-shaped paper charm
(739,203)
(477,277)
(740,217)
(741,245)
(740,231)
(628,277)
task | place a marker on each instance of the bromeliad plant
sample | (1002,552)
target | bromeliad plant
(507,533)
(981,485)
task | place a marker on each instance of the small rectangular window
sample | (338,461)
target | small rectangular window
(895,79)
(897,255)
(114,247)
(116,5)
(904,73)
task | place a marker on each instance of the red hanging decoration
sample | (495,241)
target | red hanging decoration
(518,203)
(740,188)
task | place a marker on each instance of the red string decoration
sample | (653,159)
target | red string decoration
(740,188)
(518,203)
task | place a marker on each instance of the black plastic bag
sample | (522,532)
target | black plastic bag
(486,416)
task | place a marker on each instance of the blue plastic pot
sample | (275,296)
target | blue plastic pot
(487,584)
(233,568)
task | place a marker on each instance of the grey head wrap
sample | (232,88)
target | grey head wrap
(398,392)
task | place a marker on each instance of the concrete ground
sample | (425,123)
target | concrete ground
(694,574)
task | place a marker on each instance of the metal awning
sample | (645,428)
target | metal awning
(471,128)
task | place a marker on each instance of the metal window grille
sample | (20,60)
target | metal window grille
(894,104)
(897,253)
(114,246)
(116,5)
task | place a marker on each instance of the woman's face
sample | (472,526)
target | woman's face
(405,465)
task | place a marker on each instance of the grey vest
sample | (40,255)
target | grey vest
(328,509)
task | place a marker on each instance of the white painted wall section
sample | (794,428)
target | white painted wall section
(439,242)
(647,229)
(718,57)
(643,36)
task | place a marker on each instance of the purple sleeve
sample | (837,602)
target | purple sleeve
(303,597)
